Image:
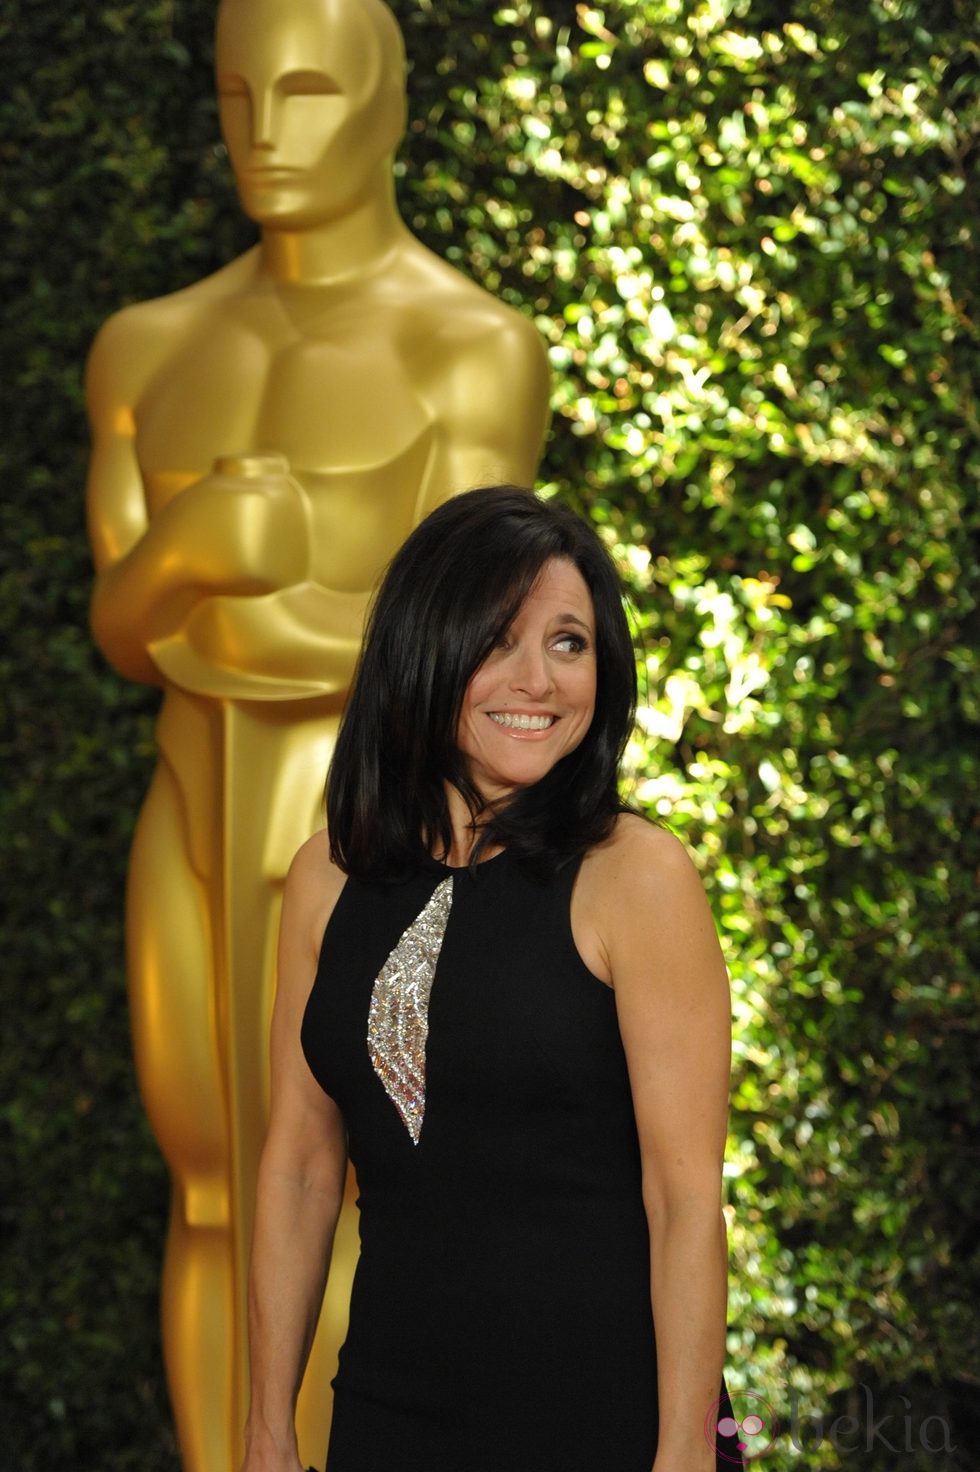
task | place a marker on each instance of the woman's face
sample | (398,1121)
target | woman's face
(531,700)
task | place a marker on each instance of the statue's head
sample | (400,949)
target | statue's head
(312,102)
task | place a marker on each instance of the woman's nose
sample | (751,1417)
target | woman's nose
(530,673)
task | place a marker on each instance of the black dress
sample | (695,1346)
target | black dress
(500,1316)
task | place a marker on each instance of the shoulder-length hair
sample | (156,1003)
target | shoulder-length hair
(450,592)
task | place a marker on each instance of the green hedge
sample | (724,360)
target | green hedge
(749,242)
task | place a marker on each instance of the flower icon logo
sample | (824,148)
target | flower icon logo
(741,1428)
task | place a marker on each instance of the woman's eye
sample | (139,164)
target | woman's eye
(570,643)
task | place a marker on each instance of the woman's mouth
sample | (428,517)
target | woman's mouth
(516,722)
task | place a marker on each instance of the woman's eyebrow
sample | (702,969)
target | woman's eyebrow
(573,618)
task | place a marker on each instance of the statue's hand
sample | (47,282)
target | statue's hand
(294,643)
(242,529)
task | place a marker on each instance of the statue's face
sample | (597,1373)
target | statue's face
(312,103)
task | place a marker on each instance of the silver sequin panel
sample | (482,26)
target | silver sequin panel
(398,1022)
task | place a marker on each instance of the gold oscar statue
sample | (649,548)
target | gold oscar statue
(263,442)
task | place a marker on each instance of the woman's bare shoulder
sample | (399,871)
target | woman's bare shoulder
(641,874)
(647,901)
(639,848)
(313,887)
(641,869)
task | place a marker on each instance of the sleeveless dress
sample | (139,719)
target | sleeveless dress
(500,1316)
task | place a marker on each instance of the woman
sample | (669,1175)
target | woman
(538,1125)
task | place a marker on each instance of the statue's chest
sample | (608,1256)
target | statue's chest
(334,394)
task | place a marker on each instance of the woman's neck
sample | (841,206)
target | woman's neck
(466,831)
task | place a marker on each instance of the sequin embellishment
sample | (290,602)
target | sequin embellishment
(398,1022)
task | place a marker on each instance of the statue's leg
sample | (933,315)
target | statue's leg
(175,1032)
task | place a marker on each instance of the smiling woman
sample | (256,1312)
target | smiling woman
(532,699)
(498,606)
(502,995)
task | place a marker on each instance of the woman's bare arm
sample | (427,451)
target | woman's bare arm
(300,1183)
(674,1010)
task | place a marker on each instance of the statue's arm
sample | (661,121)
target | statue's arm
(116,510)
(490,400)
(217,536)
(299,641)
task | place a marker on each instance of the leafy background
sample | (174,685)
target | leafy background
(746,230)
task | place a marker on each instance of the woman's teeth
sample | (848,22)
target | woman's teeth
(521,723)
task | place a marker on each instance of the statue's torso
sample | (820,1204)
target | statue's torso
(360,386)
(333,385)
